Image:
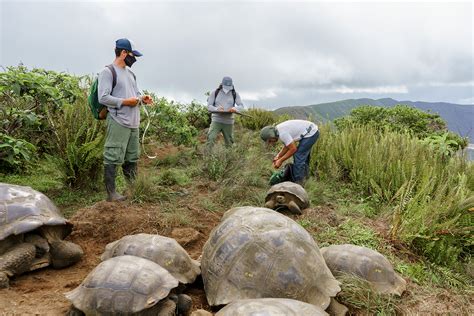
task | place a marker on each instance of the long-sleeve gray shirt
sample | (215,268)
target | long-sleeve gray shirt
(126,87)
(226,100)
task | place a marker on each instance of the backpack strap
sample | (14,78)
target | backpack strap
(114,76)
(216,93)
(134,77)
(234,94)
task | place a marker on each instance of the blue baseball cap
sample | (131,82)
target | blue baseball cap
(128,45)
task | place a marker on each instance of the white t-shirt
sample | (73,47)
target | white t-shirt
(293,130)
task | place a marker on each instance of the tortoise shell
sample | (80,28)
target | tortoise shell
(256,253)
(124,284)
(291,188)
(162,250)
(270,307)
(365,263)
(23,209)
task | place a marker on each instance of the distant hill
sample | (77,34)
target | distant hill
(460,118)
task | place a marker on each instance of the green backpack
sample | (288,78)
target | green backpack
(99,111)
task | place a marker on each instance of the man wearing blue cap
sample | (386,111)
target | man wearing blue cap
(117,89)
(223,103)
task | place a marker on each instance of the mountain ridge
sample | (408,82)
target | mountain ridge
(459,117)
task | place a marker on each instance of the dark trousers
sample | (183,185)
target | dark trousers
(302,157)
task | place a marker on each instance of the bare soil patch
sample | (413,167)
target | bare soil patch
(42,292)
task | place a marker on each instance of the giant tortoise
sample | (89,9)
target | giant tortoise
(257,253)
(270,307)
(31,233)
(365,263)
(162,250)
(128,285)
(288,195)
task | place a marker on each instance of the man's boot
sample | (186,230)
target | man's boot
(109,178)
(129,171)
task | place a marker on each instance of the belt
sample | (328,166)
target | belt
(308,130)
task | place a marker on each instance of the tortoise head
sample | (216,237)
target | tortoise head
(280,198)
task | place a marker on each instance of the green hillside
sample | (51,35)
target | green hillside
(327,111)
(458,117)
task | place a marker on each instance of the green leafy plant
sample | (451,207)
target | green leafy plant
(167,122)
(15,154)
(77,146)
(445,144)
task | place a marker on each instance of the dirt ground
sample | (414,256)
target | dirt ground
(42,292)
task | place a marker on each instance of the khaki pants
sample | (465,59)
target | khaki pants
(214,130)
(121,144)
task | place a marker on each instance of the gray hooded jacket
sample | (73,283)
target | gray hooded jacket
(225,100)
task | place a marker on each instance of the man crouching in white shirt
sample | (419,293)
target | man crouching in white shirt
(290,132)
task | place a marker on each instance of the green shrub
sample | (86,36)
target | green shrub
(257,119)
(174,177)
(196,114)
(78,145)
(28,96)
(222,163)
(168,123)
(430,194)
(15,154)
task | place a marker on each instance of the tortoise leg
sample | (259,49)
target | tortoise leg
(73,311)
(294,208)
(270,204)
(184,305)
(337,309)
(64,253)
(16,261)
(166,307)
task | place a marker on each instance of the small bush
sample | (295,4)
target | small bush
(166,122)
(257,119)
(15,154)
(78,145)
(171,177)
(196,114)
(146,190)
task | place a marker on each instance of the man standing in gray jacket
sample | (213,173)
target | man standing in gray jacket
(223,103)
(117,89)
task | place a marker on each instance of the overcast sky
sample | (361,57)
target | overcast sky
(278,53)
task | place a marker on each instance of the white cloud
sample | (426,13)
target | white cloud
(258,95)
(372,90)
(280,52)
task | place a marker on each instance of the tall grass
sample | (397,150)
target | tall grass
(77,144)
(431,196)
(256,119)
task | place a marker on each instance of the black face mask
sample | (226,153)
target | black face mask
(130,60)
